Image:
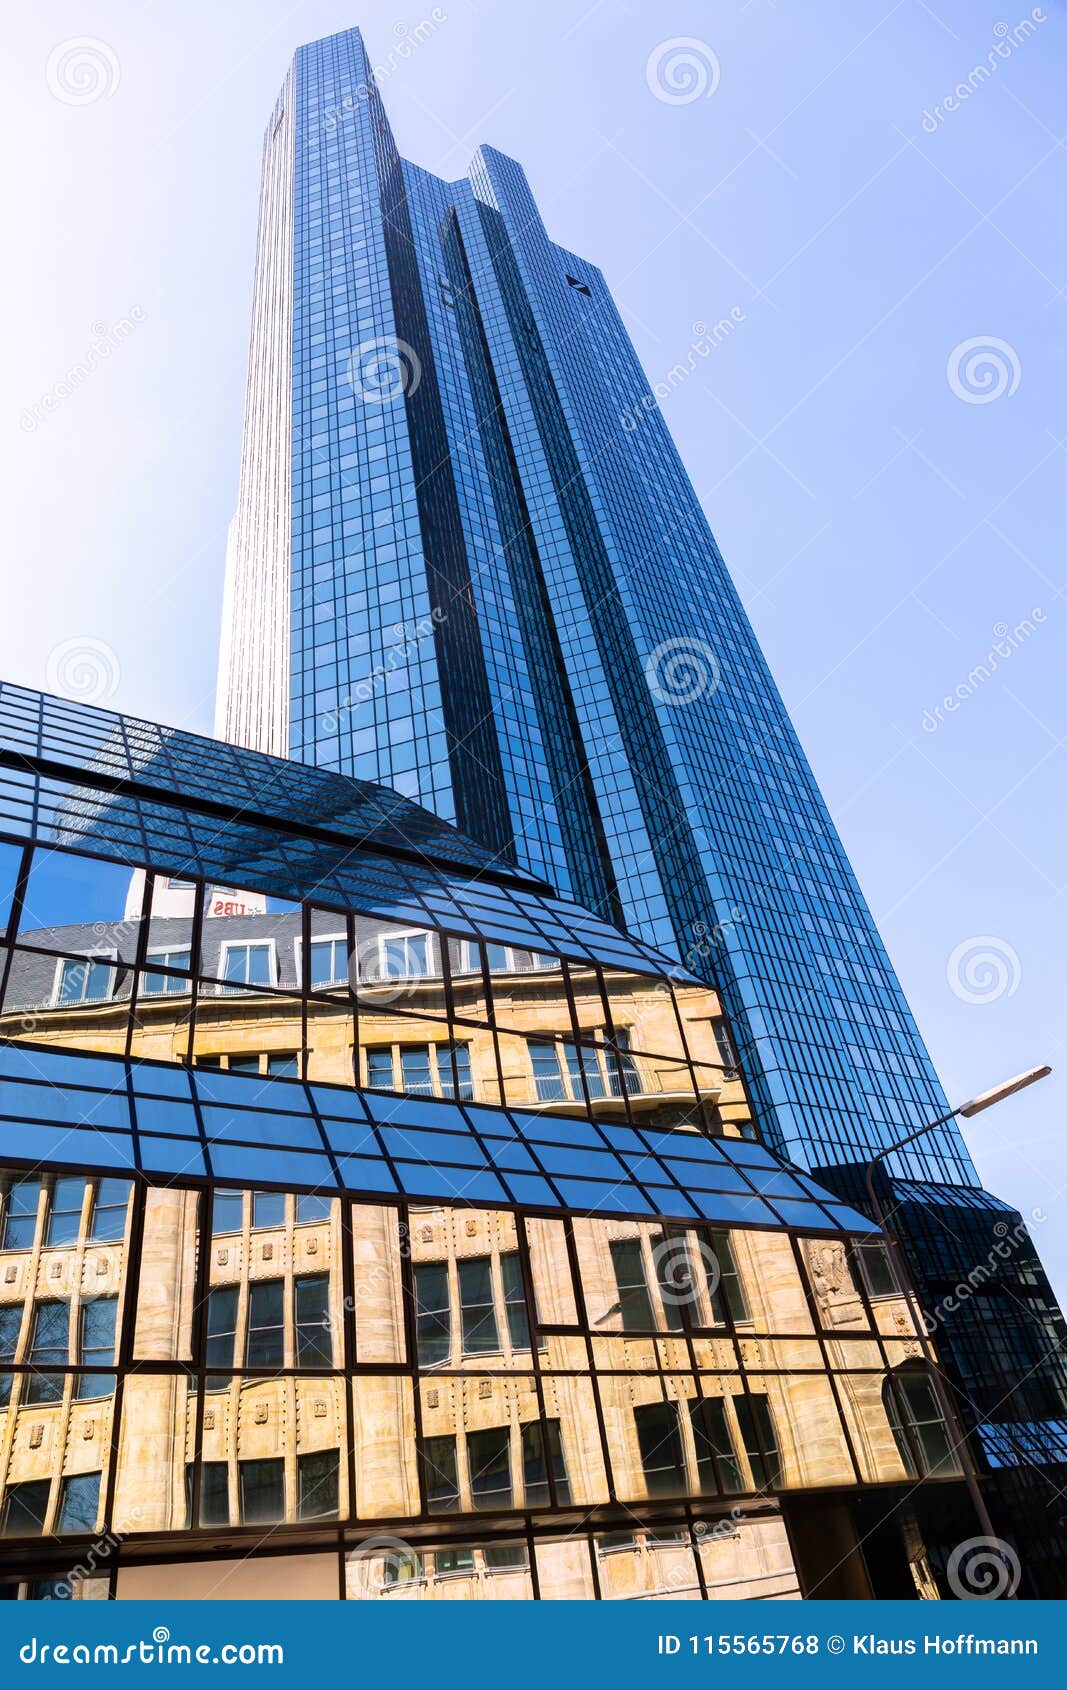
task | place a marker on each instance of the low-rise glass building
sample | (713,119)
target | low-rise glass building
(376,1224)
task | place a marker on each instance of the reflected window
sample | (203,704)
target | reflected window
(317,1485)
(489,1456)
(262,1490)
(314,1342)
(584,1062)
(79,1503)
(110,1200)
(416,1078)
(459,1084)
(248,965)
(87,980)
(635,1304)
(313,1206)
(266,1323)
(268,1208)
(542,1443)
(717,1465)
(919,1428)
(214,1493)
(433,1317)
(622,1068)
(477,1309)
(20,1215)
(10,1327)
(155,984)
(724,1045)
(328,962)
(760,1439)
(405,956)
(875,1268)
(548,1078)
(97,1348)
(24,1508)
(284,1065)
(442,1475)
(227,1211)
(660,1442)
(221,1331)
(674,1272)
(245,1065)
(729,1293)
(515,1300)
(65,1212)
(446,1561)
(380,1069)
(48,1348)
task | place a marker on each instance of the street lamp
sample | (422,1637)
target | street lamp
(974,1106)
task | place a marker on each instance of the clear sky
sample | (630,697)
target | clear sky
(878,436)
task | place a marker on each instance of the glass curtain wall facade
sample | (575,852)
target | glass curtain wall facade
(389,1228)
(468,563)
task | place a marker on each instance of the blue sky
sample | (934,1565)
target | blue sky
(877,439)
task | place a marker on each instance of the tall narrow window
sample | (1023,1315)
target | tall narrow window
(79,1503)
(461,1083)
(111,1198)
(635,1304)
(415,1070)
(314,1342)
(227,1211)
(97,1346)
(266,1323)
(729,1294)
(433,1319)
(49,1348)
(542,1445)
(489,1455)
(328,963)
(442,1480)
(476,1306)
(674,1271)
(64,1212)
(221,1332)
(660,1442)
(622,1069)
(717,1465)
(317,1485)
(214,1493)
(724,1044)
(10,1327)
(875,1268)
(760,1438)
(20,1214)
(584,1062)
(515,1300)
(262,1489)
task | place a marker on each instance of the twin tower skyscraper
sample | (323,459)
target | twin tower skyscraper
(467,562)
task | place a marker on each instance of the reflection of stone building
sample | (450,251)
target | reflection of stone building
(409,1241)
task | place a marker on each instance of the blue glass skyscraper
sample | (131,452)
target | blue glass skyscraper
(467,562)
